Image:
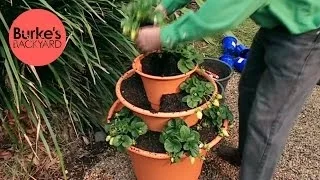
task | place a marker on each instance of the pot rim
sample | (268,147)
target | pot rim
(154,155)
(162,114)
(141,56)
(229,67)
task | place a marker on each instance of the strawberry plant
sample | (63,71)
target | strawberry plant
(124,129)
(140,13)
(215,115)
(179,139)
(197,90)
(190,57)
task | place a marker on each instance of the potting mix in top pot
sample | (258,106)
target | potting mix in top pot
(169,112)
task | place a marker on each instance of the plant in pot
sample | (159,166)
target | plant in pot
(178,151)
(167,68)
(195,95)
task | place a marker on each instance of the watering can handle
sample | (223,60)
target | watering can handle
(212,75)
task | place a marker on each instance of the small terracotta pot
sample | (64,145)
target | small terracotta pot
(157,166)
(156,86)
(157,120)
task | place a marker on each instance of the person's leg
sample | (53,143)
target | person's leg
(292,72)
(248,83)
(249,80)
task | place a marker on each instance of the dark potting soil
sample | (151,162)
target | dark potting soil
(161,64)
(173,103)
(150,140)
(132,90)
(217,68)
(207,134)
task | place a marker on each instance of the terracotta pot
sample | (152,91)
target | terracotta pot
(157,120)
(157,166)
(156,86)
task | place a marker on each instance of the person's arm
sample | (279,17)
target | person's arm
(171,6)
(214,16)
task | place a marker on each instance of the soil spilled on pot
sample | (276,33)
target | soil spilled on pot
(150,141)
(132,90)
(161,64)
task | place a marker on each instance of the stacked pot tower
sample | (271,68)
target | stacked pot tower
(169,112)
(150,165)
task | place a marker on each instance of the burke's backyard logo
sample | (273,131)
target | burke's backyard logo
(37,37)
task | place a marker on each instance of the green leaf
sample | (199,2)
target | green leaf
(189,64)
(182,67)
(126,141)
(117,140)
(196,135)
(197,99)
(206,112)
(193,90)
(213,114)
(184,132)
(162,137)
(230,116)
(194,152)
(121,148)
(143,130)
(124,112)
(172,146)
(192,137)
(194,145)
(191,104)
(185,98)
(194,104)
(183,86)
(171,123)
(134,133)
(180,154)
(186,146)
(209,85)
(179,122)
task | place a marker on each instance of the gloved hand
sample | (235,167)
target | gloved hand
(148,39)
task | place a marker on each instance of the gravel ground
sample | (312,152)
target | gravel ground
(300,160)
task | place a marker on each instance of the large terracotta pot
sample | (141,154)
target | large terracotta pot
(156,86)
(157,120)
(157,166)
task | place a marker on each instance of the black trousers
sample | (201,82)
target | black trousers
(280,74)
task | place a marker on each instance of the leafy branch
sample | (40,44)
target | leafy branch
(124,129)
